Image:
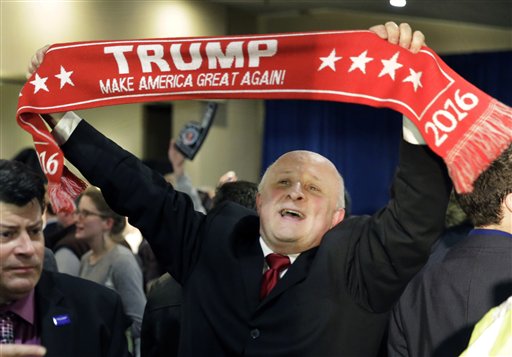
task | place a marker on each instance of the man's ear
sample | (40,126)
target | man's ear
(508,202)
(258,202)
(338,216)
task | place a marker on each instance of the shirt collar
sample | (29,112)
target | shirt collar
(24,308)
(266,251)
(485,231)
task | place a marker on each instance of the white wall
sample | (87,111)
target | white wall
(27,26)
(234,141)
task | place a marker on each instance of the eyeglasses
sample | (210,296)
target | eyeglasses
(85,213)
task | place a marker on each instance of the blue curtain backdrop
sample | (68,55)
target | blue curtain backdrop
(363,141)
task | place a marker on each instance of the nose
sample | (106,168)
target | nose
(25,245)
(296,192)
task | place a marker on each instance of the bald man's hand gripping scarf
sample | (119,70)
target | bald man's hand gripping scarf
(465,126)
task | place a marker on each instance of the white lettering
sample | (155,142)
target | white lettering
(213,79)
(157,58)
(117,85)
(153,56)
(234,52)
(195,57)
(255,53)
(443,121)
(118,52)
(258,78)
(165,81)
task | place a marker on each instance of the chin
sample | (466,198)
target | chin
(21,289)
(287,239)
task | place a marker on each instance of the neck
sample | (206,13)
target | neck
(499,227)
(101,245)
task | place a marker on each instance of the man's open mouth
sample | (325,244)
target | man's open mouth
(291,213)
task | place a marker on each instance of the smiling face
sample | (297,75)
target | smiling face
(91,224)
(298,202)
(21,249)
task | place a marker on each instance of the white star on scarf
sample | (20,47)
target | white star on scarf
(39,83)
(360,62)
(329,61)
(415,78)
(65,77)
(390,66)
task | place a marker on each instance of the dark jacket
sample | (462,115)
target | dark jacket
(91,318)
(160,331)
(440,307)
(333,301)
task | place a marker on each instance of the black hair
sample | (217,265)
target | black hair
(28,156)
(483,204)
(241,192)
(19,184)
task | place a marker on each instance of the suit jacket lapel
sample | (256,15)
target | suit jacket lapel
(296,273)
(55,320)
(250,258)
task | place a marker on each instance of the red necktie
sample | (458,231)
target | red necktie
(277,263)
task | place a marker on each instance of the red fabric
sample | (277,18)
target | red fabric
(277,263)
(459,122)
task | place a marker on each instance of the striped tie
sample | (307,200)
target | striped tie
(6,328)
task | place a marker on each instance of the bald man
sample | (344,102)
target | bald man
(337,279)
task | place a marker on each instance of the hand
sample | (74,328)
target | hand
(177,159)
(35,62)
(401,35)
(12,350)
(229,176)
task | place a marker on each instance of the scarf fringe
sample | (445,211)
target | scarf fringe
(485,140)
(63,194)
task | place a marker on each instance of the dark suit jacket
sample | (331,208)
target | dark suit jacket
(96,325)
(333,301)
(160,330)
(438,310)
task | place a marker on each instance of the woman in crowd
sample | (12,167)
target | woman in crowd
(109,262)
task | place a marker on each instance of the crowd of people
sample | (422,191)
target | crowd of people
(270,269)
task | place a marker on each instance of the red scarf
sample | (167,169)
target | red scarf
(465,126)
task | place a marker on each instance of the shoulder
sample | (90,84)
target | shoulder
(348,231)
(75,288)
(122,258)
(86,255)
(122,253)
(231,220)
(232,213)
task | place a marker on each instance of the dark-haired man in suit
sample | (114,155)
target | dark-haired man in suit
(437,312)
(47,313)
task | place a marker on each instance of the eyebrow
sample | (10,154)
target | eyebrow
(35,224)
(7,226)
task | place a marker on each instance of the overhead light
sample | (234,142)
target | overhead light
(398,3)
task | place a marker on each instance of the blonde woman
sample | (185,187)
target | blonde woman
(109,262)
